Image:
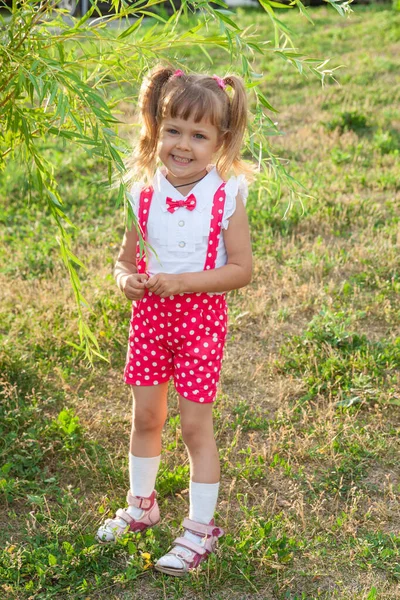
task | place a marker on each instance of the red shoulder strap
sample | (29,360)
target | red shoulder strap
(146,196)
(217,212)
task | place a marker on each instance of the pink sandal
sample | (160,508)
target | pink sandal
(198,553)
(150,518)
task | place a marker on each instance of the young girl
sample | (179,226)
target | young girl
(193,219)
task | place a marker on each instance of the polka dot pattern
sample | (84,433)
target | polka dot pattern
(164,349)
(215,227)
(143,215)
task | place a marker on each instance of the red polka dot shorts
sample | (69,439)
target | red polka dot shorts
(180,337)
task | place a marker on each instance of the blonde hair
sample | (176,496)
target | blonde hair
(168,93)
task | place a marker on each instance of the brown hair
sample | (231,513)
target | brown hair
(166,94)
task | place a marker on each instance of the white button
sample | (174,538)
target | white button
(182,244)
(181,223)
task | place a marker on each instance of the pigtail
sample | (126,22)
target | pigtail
(150,96)
(229,157)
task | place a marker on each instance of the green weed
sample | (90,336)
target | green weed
(258,544)
(387,142)
(35,437)
(349,121)
(380,550)
(248,419)
(267,219)
(251,467)
(173,481)
(336,361)
(50,566)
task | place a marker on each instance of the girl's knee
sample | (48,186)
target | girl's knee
(188,433)
(147,419)
(196,424)
(149,408)
(196,434)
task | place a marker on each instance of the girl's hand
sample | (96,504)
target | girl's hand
(165,285)
(134,285)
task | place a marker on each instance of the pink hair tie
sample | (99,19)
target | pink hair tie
(178,73)
(220,81)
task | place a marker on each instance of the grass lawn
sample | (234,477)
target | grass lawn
(308,413)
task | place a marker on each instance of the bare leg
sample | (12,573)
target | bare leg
(149,412)
(198,435)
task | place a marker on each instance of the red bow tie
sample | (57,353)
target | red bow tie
(189,203)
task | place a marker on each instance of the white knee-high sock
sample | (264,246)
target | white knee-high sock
(142,477)
(203,500)
(142,474)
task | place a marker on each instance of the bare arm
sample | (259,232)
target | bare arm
(234,275)
(129,281)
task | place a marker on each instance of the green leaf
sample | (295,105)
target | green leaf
(226,19)
(54,199)
(153,16)
(303,10)
(121,193)
(132,548)
(265,102)
(206,54)
(131,29)
(85,17)
(266,5)
(52,560)
(395,401)
(342,8)
(349,402)
(73,258)
(283,26)
(221,3)
(278,4)
(372,595)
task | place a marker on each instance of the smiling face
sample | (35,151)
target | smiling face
(186,147)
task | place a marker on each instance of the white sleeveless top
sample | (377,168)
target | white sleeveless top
(179,240)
